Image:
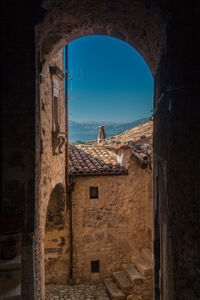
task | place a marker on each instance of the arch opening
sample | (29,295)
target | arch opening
(49,48)
(56,208)
(57,238)
(143,32)
(90,239)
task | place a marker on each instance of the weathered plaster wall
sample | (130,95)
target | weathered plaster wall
(113,227)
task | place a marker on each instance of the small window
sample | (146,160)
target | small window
(93,192)
(95,266)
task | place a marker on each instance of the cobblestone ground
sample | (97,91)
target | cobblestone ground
(77,292)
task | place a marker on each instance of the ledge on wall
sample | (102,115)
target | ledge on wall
(57,71)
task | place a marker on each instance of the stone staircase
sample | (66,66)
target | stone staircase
(134,281)
(10,278)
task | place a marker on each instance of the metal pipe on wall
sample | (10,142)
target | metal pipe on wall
(66,119)
(68,190)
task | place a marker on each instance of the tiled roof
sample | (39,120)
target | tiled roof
(93,160)
(139,139)
(100,159)
(140,132)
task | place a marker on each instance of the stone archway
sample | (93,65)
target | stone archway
(68,21)
(137,23)
(176,125)
(157,30)
(57,238)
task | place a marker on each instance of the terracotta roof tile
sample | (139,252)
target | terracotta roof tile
(93,159)
(99,159)
(139,139)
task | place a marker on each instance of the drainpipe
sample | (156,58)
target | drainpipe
(66,120)
(68,189)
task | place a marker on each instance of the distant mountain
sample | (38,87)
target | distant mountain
(87,131)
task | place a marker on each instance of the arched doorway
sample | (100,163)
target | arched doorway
(144,36)
(176,128)
(57,240)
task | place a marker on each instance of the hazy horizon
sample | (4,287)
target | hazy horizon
(86,131)
(107,122)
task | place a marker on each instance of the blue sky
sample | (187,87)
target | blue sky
(117,84)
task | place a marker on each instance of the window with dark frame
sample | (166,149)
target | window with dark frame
(93,192)
(95,266)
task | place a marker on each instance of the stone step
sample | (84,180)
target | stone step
(113,290)
(147,253)
(123,281)
(142,266)
(12,298)
(11,264)
(132,273)
(10,292)
(10,283)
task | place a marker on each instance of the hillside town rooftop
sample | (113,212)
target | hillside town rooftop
(93,160)
(101,159)
(139,139)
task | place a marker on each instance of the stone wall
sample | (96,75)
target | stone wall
(95,17)
(57,239)
(51,166)
(113,227)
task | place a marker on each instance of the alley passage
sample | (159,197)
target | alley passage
(77,292)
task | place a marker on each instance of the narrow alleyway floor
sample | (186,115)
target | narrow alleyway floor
(77,292)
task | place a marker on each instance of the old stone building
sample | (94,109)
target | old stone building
(111,196)
(111,211)
(165,34)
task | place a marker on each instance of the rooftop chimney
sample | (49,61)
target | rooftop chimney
(101,129)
